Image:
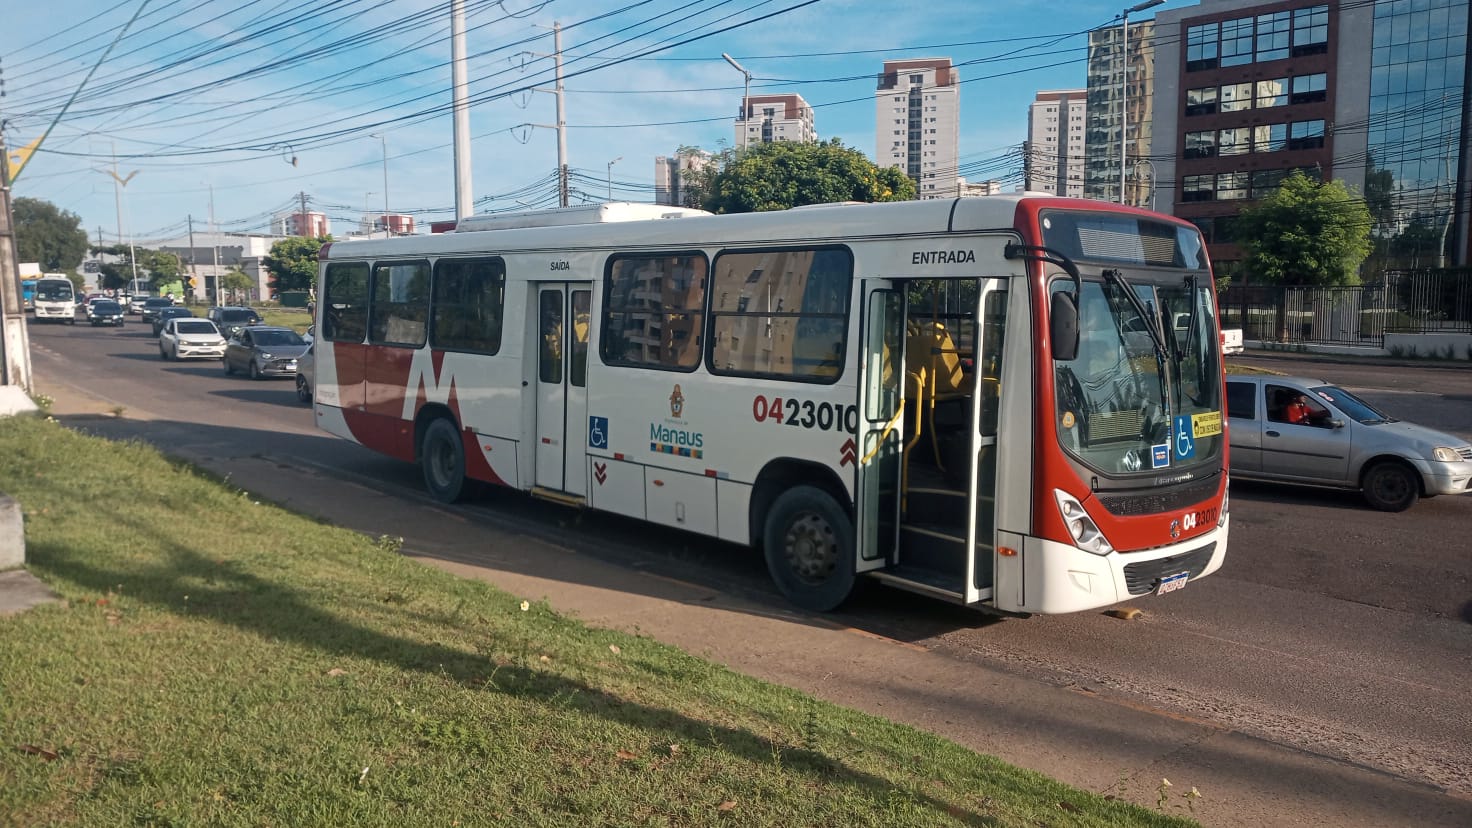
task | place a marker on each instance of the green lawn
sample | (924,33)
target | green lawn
(221,661)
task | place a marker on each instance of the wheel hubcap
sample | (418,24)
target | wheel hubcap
(441,463)
(812,551)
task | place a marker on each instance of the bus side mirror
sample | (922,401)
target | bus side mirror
(1063,327)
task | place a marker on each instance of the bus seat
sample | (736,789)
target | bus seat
(930,346)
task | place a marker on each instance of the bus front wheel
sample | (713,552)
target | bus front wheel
(442,456)
(809,544)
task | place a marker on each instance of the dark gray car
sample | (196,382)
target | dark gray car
(1301,430)
(264,351)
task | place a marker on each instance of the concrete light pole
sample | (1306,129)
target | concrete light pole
(384,141)
(1124,88)
(746,96)
(610,176)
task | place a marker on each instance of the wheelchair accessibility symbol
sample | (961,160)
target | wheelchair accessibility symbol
(1183,441)
(598,432)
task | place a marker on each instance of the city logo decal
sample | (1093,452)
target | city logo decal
(675,436)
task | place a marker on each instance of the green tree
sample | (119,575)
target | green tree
(783,174)
(49,235)
(1306,233)
(292,263)
(156,266)
(235,281)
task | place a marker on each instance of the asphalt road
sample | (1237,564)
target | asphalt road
(1331,629)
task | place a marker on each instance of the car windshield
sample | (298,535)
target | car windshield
(278,338)
(1352,406)
(238,316)
(106,306)
(157,303)
(203,326)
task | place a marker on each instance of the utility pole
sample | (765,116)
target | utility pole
(214,233)
(15,347)
(562,182)
(193,271)
(461,97)
(301,229)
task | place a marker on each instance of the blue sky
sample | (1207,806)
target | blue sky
(214,98)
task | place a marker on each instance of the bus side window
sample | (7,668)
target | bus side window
(345,305)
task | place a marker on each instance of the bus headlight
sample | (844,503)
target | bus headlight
(1221,517)
(1082,527)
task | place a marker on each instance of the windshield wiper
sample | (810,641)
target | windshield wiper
(1152,327)
(1152,324)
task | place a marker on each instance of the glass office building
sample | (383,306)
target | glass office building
(1415,140)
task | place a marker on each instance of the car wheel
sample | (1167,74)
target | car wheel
(229,369)
(162,354)
(442,457)
(303,392)
(809,545)
(1391,486)
(253,370)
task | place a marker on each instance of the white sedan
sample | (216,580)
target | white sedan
(184,337)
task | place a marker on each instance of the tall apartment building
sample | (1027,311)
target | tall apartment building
(768,118)
(917,124)
(669,179)
(1108,96)
(1055,143)
(311,223)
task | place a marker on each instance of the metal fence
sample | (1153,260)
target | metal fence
(1400,301)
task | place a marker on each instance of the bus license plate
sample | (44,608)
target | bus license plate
(1171,583)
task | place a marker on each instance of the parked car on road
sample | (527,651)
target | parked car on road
(165,314)
(105,312)
(185,337)
(264,351)
(306,374)
(231,319)
(1301,430)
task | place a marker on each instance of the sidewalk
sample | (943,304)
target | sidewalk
(1065,733)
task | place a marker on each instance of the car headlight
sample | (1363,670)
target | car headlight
(1082,527)
(1445,455)
(266,355)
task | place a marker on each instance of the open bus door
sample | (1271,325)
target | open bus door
(950,387)
(561,311)
(881,425)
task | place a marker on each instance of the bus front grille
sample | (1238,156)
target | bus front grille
(1144,576)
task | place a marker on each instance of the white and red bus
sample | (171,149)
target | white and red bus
(1012,402)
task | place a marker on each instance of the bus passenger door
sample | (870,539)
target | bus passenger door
(561,346)
(981,528)
(880,425)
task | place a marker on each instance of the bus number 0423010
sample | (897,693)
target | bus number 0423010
(791,411)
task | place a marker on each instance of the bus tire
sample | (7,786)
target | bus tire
(808,540)
(1391,486)
(442,458)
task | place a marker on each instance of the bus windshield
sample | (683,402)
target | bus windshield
(53,291)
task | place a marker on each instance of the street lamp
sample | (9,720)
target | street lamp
(747,94)
(610,176)
(384,141)
(1124,86)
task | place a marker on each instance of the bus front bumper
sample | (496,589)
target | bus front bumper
(1060,578)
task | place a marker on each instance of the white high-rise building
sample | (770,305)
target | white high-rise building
(917,125)
(670,186)
(1055,142)
(768,118)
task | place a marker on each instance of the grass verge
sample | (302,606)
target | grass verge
(221,661)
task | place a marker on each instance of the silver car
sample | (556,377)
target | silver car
(306,373)
(1300,430)
(264,351)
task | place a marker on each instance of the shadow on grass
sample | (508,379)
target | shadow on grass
(257,605)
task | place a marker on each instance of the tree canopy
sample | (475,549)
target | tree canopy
(49,235)
(783,174)
(292,263)
(157,266)
(1306,233)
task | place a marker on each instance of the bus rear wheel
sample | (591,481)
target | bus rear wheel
(809,545)
(442,458)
